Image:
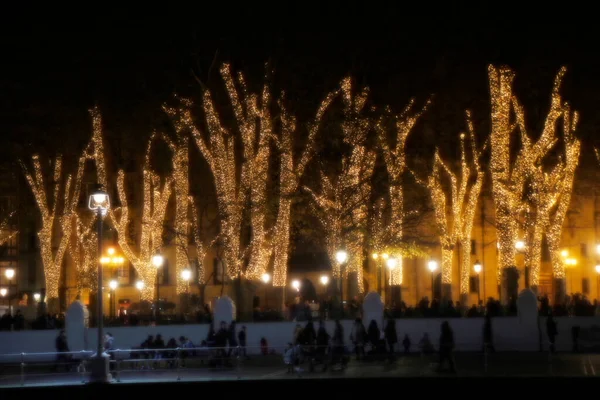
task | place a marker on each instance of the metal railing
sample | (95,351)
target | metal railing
(19,369)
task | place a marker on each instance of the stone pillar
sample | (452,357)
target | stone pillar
(76,326)
(373,309)
(224,311)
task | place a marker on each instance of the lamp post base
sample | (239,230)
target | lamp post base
(99,369)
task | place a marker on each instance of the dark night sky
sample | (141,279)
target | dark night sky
(55,69)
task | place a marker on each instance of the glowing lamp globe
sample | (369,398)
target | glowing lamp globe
(9,273)
(158,260)
(266,278)
(186,274)
(477,267)
(139,285)
(3,292)
(341,256)
(432,265)
(391,263)
(296,284)
(113,284)
(324,280)
(99,200)
(37,296)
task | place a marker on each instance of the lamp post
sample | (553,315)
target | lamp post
(432,266)
(37,297)
(113,284)
(10,274)
(266,278)
(477,269)
(140,286)
(341,257)
(598,281)
(391,264)
(157,262)
(186,275)
(99,203)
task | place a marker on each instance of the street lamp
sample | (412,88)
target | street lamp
(520,245)
(3,291)
(140,286)
(157,262)
(324,280)
(10,274)
(341,257)
(113,284)
(391,263)
(296,285)
(37,297)
(186,275)
(597,281)
(266,278)
(99,202)
(477,269)
(432,266)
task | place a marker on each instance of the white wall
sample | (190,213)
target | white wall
(468,334)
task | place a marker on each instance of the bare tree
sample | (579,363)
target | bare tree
(56,196)
(510,174)
(154,199)
(394,154)
(462,192)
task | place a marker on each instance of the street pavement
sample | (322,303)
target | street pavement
(467,365)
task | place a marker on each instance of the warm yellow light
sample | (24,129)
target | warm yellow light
(375,256)
(105,260)
(385,256)
(520,245)
(9,273)
(598,268)
(392,263)
(296,284)
(139,285)
(341,256)
(598,248)
(186,275)
(113,284)
(266,278)
(36,296)
(324,279)
(571,261)
(3,292)
(432,265)
(477,267)
(564,253)
(158,260)
(111,251)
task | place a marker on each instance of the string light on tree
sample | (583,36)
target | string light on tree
(54,212)
(154,199)
(394,154)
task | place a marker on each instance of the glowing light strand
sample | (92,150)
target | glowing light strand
(55,218)
(154,200)
(394,154)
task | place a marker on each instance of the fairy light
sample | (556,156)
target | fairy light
(342,202)
(290,174)
(6,231)
(47,199)
(82,250)
(394,154)
(180,161)
(155,198)
(511,178)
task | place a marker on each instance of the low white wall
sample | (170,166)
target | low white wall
(468,334)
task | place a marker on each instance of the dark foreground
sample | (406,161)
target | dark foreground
(272,372)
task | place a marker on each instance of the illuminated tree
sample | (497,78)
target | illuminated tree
(83,247)
(394,154)
(56,196)
(462,194)
(154,199)
(179,146)
(252,118)
(291,169)
(510,174)
(6,231)
(344,202)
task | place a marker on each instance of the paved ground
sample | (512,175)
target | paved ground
(468,365)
